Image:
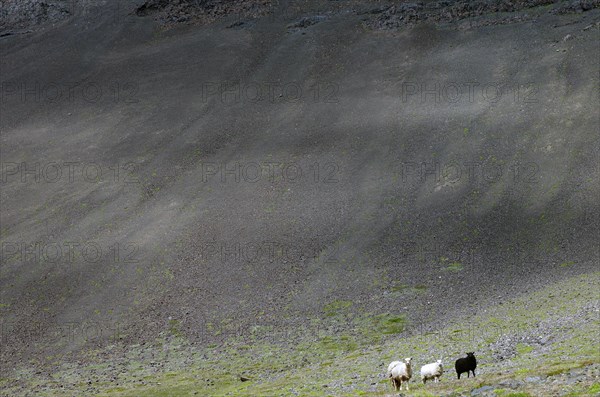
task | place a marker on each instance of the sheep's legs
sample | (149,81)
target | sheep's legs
(473,373)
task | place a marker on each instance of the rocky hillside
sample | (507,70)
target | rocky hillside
(207,171)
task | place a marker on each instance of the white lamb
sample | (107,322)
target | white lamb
(399,372)
(432,371)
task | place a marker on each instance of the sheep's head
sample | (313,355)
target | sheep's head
(471,354)
(408,360)
(439,362)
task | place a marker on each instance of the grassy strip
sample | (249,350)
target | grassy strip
(353,363)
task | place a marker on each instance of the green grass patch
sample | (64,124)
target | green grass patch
(516,394)
(522,371)
(562,367)
(567,264)
(388,324)
(595,388)
(524,349)
(454,267)
(174,328)
(336,307)
(342,343)
(399,287)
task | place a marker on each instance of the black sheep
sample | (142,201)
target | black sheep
(466,364)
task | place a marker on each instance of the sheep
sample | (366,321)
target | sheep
(391,366)
(432,371)
(466,364)
(400,372)
(389,371)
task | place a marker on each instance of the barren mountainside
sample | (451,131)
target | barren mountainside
(284,172)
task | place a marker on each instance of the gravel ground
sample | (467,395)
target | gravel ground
(409,13)
(24,15)
(171,13)
(545,333)
(358,226)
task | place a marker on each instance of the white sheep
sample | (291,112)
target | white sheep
(432,371)
(399,372)
(391,366)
